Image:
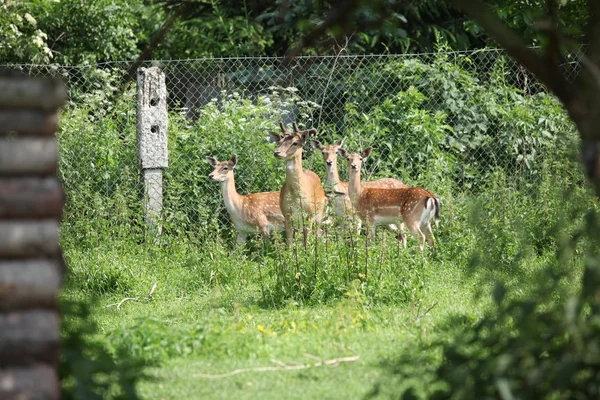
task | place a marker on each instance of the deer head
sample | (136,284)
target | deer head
(290,145)
(329,152)
(355,159)
(222,170)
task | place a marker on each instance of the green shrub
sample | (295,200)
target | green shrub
(537,257)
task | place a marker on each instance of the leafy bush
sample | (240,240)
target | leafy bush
(538,340)
(98,168)
(469,123)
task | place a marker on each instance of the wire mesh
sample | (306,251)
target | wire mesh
(446,121)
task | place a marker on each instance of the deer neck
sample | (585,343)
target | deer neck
(233,200)
(294,173)
(333,177)
(354,185)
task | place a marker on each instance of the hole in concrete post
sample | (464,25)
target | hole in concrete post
(154,128)
(154,101)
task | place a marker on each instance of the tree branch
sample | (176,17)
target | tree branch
(338,16)
(549,75)
(341,17)
(593,32)
(553,53)
(156,40)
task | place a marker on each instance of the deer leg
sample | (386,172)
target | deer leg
(358,222)
(415,229)
(401,235)
(289,230)
(421,239)
(241,238)
(265,231)
(429,235)
(305,231)
(372,227)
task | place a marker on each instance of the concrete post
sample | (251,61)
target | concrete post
(152,124)
(31,262)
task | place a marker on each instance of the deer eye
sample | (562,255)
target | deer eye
(225,168)
(295,144)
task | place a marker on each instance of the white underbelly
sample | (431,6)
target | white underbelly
(245,227)
(379,220)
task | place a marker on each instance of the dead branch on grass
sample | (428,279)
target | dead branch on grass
(426,312)
(280,367)
(119,304)
(122,301)
(152,290)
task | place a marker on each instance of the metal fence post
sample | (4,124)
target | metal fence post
(152,124)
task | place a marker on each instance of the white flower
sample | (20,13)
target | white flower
(38,41)
(30,19)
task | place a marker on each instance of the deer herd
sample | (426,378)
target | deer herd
(302,201)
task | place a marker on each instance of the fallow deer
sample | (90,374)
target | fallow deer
(302,194)
(249,213)
(342,204)
(415,206)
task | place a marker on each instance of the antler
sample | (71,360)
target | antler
(282,127)
(295,126)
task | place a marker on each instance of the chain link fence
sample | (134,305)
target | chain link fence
(447,121)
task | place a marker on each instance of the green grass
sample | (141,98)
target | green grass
(215,310)
(218,328)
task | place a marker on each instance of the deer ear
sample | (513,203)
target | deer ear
(317,144)
(341,142)
(343,153)
(212,161)
(304,135)
(233,161)
(365,153)
(275,138)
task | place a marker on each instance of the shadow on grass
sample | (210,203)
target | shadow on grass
(88,369)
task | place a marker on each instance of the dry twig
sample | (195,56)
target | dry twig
(281,367)
(426,312)
(152,290)
(121,302)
